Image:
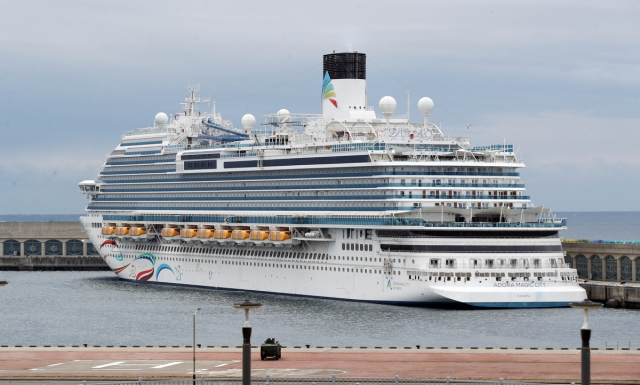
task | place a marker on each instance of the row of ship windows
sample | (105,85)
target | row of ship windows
(289,184)
(266,264)
(453,194)
(304,172)
(397,170)
(156,167)
(253,253)
(140,159)
(490,263)
(357,247)
(252,205)
(438,182)
(291,205)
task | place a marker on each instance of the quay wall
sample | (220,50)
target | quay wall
(612,262)
(47,246)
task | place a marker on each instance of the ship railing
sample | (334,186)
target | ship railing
(334,220)
(149,130)
(333,380)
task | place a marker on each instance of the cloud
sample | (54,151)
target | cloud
(557,78)
(575,161)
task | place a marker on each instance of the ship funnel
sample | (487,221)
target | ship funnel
(344,85)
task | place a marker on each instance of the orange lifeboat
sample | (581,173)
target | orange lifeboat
(137,231)
(240,234)
(259,235)
(169,232)
(188,233)
(223,234)
(206,233)
(278,236)
(122,230)
(108,230)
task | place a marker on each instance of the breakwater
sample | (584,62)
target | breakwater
(47,246)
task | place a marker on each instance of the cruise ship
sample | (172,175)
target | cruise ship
(351,204)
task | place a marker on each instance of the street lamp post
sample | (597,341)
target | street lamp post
(585,333)
(194,346)
(246,339)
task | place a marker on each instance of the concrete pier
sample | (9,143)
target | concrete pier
(47,246)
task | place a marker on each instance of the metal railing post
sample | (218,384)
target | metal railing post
(267,383)
(448,380)
(202,379)
(140,380)
(397,379)
(501,381)
(333,379)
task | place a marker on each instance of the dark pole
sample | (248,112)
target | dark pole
(246,355)
(585,333)
(194,346)
(246,339)
(586,356)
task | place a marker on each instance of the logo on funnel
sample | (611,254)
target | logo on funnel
(327,90)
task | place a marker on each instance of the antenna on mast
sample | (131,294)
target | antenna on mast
(408,108)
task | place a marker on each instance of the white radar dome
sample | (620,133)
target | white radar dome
(387,105)
(161,118)
(248,121)
(284,115)
(425,105)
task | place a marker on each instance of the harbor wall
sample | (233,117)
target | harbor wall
(47,246)
(598,261)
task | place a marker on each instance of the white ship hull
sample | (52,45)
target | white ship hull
(335,279)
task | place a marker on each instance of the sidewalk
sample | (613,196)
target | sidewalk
(130,363)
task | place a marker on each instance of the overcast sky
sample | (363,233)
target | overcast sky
(560,80)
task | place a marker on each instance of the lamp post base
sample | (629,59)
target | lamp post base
(586,356)
(246,355)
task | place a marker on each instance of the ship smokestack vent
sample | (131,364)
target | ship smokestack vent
(345,65)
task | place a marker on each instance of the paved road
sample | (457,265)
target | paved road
(95,364)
